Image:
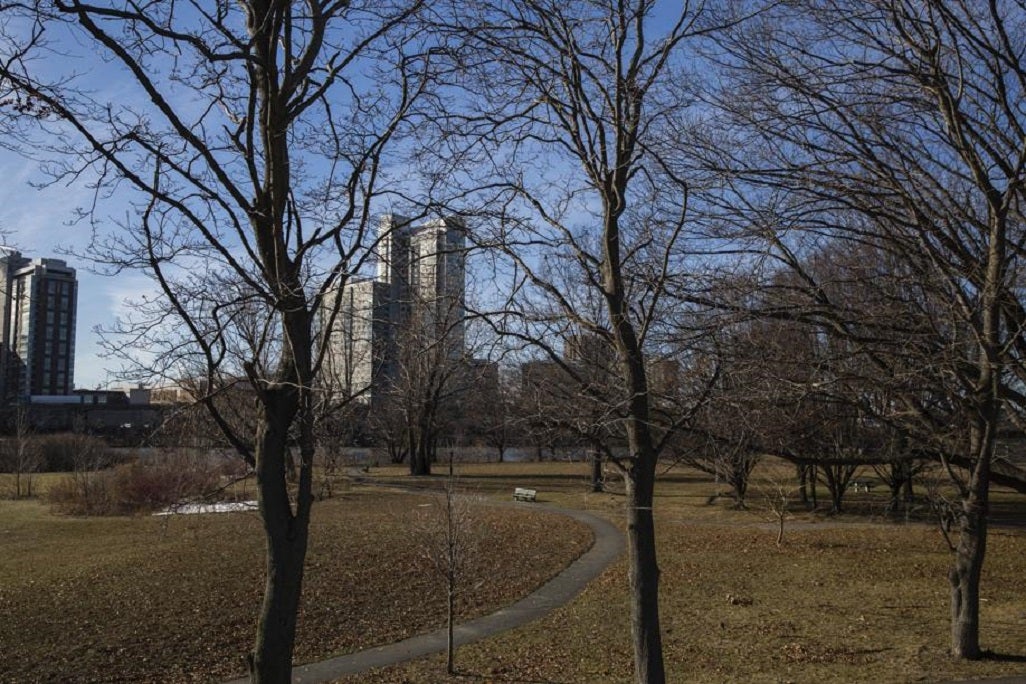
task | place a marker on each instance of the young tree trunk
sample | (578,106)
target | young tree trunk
(450,651)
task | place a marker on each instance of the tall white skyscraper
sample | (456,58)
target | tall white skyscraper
(417,295)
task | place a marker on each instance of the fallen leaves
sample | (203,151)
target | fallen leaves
(124,600)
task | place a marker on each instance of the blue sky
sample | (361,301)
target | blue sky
(38,222)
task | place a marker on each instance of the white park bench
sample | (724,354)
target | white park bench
(523,494)
(862,485)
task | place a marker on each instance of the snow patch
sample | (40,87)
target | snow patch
(225,507)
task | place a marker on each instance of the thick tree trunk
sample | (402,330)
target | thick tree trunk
(597,485)
(420,460)
(286,534)
(271,661)
(739,484)
(964,575)
(813,481)
(803,484)
(965,585)
(909,492)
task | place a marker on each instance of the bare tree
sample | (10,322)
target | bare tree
(431,377)
(447,537)
(244,145)
(776,496)
(899,126)
(21,453)
(570,171)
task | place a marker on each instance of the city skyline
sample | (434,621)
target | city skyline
(419,284)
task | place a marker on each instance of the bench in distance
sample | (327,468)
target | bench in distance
(523,494)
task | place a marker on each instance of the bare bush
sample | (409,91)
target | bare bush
(67,452)
(20,456)
(141,486)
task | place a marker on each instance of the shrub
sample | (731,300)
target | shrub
(141,486)
(82,493)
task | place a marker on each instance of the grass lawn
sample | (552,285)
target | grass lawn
(149,599)
(845,598)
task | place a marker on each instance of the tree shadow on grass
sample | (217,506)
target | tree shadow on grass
(993,657)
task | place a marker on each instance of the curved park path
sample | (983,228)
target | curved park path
(559,590)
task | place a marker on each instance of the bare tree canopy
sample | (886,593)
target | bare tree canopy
(895,130)
(242,143)
(567,156)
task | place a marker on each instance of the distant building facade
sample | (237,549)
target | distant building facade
(360,337)
(417,297)
(38,306)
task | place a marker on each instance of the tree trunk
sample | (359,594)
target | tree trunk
(420,460)
(895,486)
(596,471)
(450,651)
(972,540)
(803,484)
(643,573)
(909,495)
(965,585)
(286,534)
(813,480)
(971,549)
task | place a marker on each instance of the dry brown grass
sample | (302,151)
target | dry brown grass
(848,598)
(151,600)
(842,600)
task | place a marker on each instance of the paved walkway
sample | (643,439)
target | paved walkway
(608,545)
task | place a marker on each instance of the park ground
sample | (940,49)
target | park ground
(850,597)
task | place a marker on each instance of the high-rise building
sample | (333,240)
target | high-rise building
(38,302)
(417,297)
(357,351)
(424,268)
